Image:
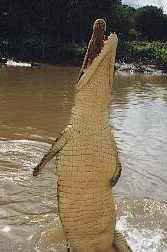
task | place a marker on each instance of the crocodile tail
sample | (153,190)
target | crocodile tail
(120,243)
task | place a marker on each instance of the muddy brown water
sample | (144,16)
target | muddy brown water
(35,104)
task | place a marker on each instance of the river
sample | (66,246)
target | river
(35,104)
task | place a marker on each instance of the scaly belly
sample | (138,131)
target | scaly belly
(95,160)
(87,212)
(84,168)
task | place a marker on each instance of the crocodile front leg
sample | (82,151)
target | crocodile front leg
(120,243)
(117,173)
(58,145)
(118,170)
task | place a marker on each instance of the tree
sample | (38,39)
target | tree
(80,25)
(124,20)
(37,24)
(149,22)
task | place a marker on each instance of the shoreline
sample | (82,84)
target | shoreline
(124,66)
(140,67)
(133,56)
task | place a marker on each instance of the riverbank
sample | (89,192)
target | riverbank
(134,56)
(142,56)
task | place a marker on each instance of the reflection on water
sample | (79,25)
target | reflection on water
(146,222)
(139,116)
(34,105)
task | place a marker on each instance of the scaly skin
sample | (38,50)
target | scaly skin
(87,162)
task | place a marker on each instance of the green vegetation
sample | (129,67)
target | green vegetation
(147,52)
(58,30)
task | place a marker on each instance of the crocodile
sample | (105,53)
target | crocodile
(87,161)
